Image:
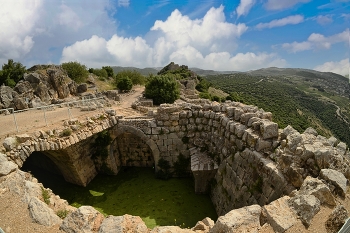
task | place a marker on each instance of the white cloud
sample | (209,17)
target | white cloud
(317,41)
(124,3)
(293,19)
(244,7)
(324,19)
(69,18)
(282,4)
(206,43)
(18,19)
(339,67)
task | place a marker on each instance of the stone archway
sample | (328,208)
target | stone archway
(117,132)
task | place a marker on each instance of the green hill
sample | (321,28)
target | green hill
(297,97)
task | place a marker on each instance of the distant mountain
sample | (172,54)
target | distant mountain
(143,71)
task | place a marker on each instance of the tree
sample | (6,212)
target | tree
(101,73)
(136,77)
(12,73)
(162,89)
(76,71)
(109,70)
(124,84)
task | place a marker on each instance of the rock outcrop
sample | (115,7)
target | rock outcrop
(336,219)
(41,213)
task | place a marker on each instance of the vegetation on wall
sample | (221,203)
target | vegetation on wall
(11,73)
(181,166)
(164,169)
(162,89)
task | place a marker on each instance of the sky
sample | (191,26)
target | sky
(223,35)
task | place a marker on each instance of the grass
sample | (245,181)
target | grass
(135,191)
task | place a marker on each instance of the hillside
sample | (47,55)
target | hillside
(297,97)
(143,71)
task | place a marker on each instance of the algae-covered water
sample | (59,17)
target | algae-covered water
(135,191)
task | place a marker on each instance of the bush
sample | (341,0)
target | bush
(100,72)
(124,84)
(66,132)
(62,213)
(12,73)
(162,89)
(76,71)
(109,70)
(136,77)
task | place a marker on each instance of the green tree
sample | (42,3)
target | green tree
(136,77)
(109,70)
(12,73)
(162,89)
(124,84)
(101,73)
(76,71)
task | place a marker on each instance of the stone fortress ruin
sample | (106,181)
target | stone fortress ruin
(257,174)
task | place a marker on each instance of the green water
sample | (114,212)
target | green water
(135,191)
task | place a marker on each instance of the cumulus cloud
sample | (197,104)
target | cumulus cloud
(206,43)
(317,41)
(293,19)
(16,34)
(282,4)
(244,7)
(339,67)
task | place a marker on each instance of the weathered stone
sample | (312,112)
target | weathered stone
(84,219)
(23,138)
(121,224)
(41,213)
(170,229)
(279,215)
(323,156)
(9,143)
(306,206)
(336,219)
(6,166)
(335,178)
(314,186)
(82,88)
(268,129)
(238,220)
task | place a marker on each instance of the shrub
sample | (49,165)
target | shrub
(136,77)
(66,132)
(12,73)
(75,71)
(162,89)
(124,84)
(100,72)
(62,213)
(46,196)
(109,70)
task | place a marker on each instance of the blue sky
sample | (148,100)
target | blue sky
(209,34)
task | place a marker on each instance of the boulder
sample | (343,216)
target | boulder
(32,77)
(73,88)
(238,220)
(336,219)
(205,225)
(6,166)
(335,178)
(279,215)
(23,87)
(314,186)
(306,207)
(42,91)
(121,224)
(60,82)
(311,131)
(9,143)
(41,213)
(6,96)
(110,112)
(35,103)
(323,157)
(83,219)
(83,87)
(20,103)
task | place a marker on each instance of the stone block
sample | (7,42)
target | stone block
(268,129)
